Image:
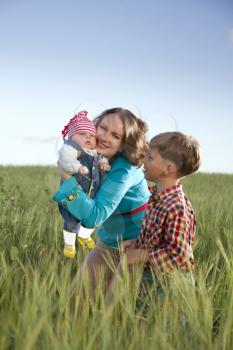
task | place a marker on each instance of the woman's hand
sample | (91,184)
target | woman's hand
(135,256)
(63,174)
(130,244)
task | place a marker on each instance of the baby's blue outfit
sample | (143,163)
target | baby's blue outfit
(123,189)
(89,182)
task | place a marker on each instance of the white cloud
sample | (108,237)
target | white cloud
(32,139)
(38,139)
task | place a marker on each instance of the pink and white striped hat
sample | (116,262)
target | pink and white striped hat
(79,123)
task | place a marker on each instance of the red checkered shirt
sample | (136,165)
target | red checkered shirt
(168,230)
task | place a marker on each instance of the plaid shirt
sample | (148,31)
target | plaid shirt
(168,230)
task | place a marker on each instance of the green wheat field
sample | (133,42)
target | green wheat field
(35,278)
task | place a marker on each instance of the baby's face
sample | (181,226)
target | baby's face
(85,139)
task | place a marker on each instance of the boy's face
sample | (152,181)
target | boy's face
(85,139)
(155,166)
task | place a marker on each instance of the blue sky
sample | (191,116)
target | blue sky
(169,61)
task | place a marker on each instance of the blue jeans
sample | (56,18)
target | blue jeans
(71,224)
(149,280)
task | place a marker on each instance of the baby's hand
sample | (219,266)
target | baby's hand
(105,167)
(83,170)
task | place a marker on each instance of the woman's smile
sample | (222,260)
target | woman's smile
(102,144)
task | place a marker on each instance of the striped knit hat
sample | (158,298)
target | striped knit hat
(79,123)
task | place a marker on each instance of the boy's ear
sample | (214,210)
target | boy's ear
(170,168)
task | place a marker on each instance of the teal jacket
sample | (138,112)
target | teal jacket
(123,190)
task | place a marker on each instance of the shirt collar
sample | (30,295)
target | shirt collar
(167,192)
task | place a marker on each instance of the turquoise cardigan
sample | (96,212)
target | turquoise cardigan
(123,190)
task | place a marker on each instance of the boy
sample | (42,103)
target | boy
(168,229)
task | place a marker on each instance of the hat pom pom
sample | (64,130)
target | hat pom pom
(82,114)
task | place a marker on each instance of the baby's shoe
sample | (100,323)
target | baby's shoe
(87,242)
(84,237)
(69,251)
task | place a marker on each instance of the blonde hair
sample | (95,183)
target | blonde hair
(134,143)
(182,149)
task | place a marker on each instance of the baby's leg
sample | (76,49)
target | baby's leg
(71,224)
(84,237)
(70,230)
(85,233)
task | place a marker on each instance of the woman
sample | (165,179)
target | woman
(118,207)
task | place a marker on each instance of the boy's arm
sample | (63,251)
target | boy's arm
(175,250)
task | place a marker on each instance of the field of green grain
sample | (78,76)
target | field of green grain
(35,277)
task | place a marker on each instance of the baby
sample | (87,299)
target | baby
(79,157)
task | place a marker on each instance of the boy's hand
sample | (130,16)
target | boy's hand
(105,167)
(83,170)
(135,256)
(130,244)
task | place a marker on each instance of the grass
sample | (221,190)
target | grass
(35,278)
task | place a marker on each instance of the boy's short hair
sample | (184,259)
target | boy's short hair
(182,149)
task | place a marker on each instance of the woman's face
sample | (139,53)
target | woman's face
(109,134)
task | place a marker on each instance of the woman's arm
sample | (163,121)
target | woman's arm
(95,211)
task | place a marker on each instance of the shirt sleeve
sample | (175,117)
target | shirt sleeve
(174,251)
(68,159)
(94,211)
